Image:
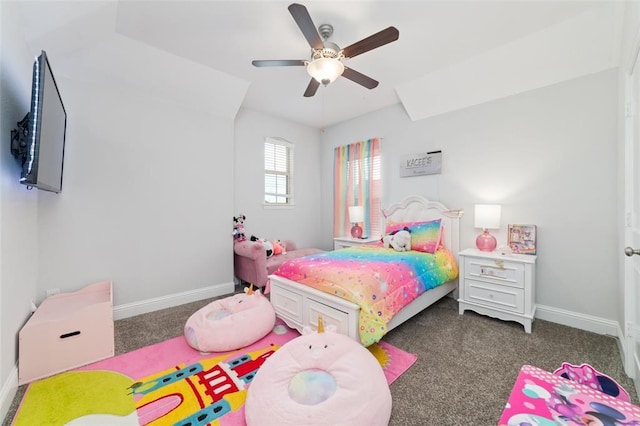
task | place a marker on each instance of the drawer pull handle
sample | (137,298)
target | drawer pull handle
(494,271)
(73,333)
(494,276)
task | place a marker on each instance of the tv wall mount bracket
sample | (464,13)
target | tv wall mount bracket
(19,136)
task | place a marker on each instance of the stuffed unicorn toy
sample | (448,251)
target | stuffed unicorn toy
(399,241)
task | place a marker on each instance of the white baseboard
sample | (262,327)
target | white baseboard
(580,321)
(150,305)
(8,392)
(585,322)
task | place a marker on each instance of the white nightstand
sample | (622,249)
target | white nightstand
(342,242)
(498,286)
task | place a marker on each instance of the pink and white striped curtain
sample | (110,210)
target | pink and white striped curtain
(357,183)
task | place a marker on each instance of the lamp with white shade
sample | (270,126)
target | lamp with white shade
(487,216)
(356,215)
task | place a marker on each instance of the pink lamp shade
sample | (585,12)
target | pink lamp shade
(356,215)
(487,216)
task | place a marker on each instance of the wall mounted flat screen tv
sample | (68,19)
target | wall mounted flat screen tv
(39,144)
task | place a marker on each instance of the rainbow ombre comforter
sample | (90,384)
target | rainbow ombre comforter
(380,280)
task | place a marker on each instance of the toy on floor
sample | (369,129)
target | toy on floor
(238,227)
(541,398)
(589,376)
(319,378)
(230,323)
(399,241)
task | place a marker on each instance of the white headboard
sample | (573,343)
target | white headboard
(417,208)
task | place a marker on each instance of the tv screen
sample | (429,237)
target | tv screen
(44,157)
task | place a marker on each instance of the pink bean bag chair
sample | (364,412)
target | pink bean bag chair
(322,378)
(230,323)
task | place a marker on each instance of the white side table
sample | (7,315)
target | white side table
(498,286)
(342,242)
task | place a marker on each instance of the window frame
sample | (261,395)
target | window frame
(289,173)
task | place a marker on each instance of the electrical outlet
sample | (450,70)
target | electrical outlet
(52,291)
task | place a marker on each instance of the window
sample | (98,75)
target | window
(366,185)
(278,172)
(357,182)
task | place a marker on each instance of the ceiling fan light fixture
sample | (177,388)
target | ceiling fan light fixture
(325,70)
(325,64)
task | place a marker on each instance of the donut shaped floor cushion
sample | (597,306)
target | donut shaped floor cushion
(321,378)
(230,323)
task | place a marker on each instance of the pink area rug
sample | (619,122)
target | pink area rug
(166,383)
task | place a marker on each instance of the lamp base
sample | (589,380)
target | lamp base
(356,231)
(486,241)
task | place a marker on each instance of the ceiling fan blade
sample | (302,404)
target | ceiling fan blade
(312,88)
(278,62)
(359,78)
(373,41)
(303,19)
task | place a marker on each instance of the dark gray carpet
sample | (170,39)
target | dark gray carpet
(466,364)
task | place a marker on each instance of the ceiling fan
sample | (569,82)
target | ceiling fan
(326,64)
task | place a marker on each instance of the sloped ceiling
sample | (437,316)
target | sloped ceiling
(449,55)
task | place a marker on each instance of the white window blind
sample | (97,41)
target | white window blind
(278,172)
(370,167)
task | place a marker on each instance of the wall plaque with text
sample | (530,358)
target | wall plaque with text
(429,163)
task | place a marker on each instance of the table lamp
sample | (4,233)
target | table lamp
(487,216)
(356,215)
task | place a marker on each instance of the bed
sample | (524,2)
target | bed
(299,305)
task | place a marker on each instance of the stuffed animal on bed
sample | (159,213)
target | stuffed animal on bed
(399,241)
(319,378)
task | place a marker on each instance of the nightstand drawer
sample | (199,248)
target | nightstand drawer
(289,303)
(498,296)
(498,271)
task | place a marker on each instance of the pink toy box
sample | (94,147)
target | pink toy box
(541,398)
(66,331)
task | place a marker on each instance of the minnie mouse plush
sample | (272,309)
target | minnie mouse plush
(238,228)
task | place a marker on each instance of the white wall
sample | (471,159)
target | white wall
(548,156)
(18,207)
(299,223)
(146,202)
(141,202)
